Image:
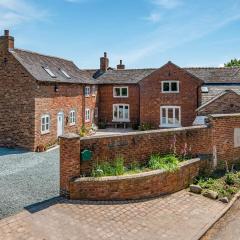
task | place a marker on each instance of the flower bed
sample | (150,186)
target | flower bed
(136,186)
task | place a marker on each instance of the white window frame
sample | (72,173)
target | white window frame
(123,119)
(72,118)
(94,90)
(170,83)
(121,96)
(87,91)
(65,73)
(49,71)
(87,115)
(167,125)
(46,130)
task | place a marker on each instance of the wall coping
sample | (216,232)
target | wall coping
(132,176)
(169,130)
(70,136)
(225,115)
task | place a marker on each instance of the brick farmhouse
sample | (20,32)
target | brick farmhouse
(43,97)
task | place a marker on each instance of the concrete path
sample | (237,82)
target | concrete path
(228,227)
(179,216)
(26,178)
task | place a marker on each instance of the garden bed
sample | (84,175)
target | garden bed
(136,186)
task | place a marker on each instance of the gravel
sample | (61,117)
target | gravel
(27,178)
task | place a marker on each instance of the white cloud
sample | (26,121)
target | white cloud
(169,4)
(154,17)
(13,12)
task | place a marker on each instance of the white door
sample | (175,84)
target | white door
(60,124)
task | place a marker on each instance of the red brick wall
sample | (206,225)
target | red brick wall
(223,138)
(139,146)
(69,97)
(228,103)
(91,102)
(106,101)
(16,103)
(151,96)
(150,184)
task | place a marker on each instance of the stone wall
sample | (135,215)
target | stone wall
(137,186)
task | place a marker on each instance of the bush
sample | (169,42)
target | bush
(102,125)
(168,162)
(83,131)
(230,178)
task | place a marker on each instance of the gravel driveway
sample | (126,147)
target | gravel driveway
(27,178)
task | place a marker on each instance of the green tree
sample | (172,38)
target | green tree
(233,63)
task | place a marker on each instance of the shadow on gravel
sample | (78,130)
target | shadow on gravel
(11,151)
(37,207)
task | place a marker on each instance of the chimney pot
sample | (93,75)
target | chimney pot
(105,54)
(6,32)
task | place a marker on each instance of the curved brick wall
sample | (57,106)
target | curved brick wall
(137,186)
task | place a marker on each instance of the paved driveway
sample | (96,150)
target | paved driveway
(179,216)
(26,178)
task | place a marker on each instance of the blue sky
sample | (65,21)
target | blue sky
(144,33)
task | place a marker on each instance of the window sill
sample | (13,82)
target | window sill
(87,121)
(170,126)
(44,133)
(170,92)
(120,96)
(72,124)
(120,120)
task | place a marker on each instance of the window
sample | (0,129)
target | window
(87,115)
(65,73)
(96,112)
(170,116)
(94,90)
(45,124)
(170,86)
(72,118)
(204,89)
(120,92)
(121,112)
(49,72)
(87,91)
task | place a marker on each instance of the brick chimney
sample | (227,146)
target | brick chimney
(6,41)
(120,66)
(104,63)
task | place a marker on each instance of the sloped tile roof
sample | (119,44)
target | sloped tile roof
(34,63)
(217,75)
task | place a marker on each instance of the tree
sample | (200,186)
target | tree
(233,63)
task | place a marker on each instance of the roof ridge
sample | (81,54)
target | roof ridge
(211,67)
(41,54)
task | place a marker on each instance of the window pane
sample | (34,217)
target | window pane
(126,112)
(43,120)
(47,120)
(120,112)
(115,112)
(166,87)
(43,128)
(124,92)
(117,91)
(170,116)
(177,116)
(164,116)
(174,86)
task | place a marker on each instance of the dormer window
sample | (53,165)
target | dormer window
(170,86)
(65,73)
(49,72)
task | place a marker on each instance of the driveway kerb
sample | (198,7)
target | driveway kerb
(203,231)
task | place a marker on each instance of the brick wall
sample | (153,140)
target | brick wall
(223,127)
(16,103)
(227,103)
(151,97)
(106,101)
(149,184)
(47,101)
(139,146)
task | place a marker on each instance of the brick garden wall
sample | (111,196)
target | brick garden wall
(138,147)
(148,184)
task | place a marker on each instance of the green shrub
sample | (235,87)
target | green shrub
(168,162)
(83,131)
(230,178)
